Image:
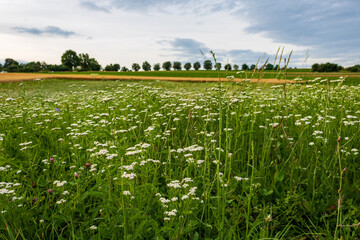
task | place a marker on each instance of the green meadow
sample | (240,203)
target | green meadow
(170,160)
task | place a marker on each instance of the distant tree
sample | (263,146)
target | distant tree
(146,66)
(89,64)
(14,68)
(57,68)
(217,65)
(236,67)
(177,66)
(31,67)
(135,67)
(95,66)
(269,66)
(276,67)
(156,67)
(208,65)
(0,66)
(116,67)
(315,67)
(84,61)
(108,67)
(252,67)
(326,67)
(244,67)
(43,66)
(187,66)
(196,66)
(167,66)
(70,59)
(124,69)
(228,67)
(9,62)
(112,67)
(355,68)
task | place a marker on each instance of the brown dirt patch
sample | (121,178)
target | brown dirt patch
(20,77)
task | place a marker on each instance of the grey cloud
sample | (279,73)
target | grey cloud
(328,27)
(49,30)
(94,7)
(138,5)
(185,6)
(186,49)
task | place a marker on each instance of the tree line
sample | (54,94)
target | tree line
(71,61)
(333,67)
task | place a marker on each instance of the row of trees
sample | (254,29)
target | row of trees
(82,62)
(326,67)
(70,61)
(177,66)
(10,65)
(333,67)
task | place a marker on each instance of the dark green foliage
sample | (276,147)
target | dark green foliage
(196,66)
(146,66)
(236,67)
(217,65)
(70,59)
(326,67)
(88,64)
(207,65)
(252,67)
(244,67)
(228,67)
(124,69)
(156,67)
(112,67)
(355,68)
(9,62)
(57,68)
(177,66)
(167,66)
(269,66)
(187,66)
(135,67)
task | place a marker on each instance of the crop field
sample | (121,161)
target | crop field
(171,160)
(20,77)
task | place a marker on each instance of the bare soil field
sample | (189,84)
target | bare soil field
(20,77)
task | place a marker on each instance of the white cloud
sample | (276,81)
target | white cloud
(121,31)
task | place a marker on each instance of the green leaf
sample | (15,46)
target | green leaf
(279,176)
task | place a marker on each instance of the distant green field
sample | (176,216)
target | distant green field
(214,74)
(305,74)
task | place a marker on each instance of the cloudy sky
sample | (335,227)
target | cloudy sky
(128,31)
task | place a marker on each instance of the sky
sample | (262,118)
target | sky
(134,31)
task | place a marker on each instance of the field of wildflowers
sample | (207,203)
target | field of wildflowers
(165,160)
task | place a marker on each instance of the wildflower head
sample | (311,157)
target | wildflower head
(87,165)
(52,160)
(50,191)
(339,139)
(76,175)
